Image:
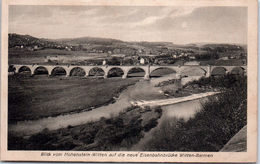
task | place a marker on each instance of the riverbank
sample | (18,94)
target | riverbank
(32,98)
(107,134)
(171,101)
(218,120)
(173,88)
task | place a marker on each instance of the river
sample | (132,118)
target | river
(142,90)
(184,110)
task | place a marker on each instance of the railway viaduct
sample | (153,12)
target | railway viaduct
(184,70)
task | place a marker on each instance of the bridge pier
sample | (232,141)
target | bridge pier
(16,70)
(67,73)
(124,76)
(105,75)
(178,76)
(147,76)
(86,74)
(208,73)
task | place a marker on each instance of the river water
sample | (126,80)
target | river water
(142,90)
(184,110)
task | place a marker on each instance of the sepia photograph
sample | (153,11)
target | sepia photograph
(128,78)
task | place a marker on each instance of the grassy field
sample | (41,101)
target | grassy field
(18,56)
(42,96)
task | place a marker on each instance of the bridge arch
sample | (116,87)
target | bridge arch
(193,71)
(115,72)
(160,71)
(96,71)
(58,71)
(40,70)
(135,72)
(77,71)
(12,68)
(237,71)
(216,71)
(25,70)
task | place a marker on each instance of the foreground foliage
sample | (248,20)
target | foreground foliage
(210,129)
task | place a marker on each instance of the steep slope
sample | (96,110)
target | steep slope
(30,41)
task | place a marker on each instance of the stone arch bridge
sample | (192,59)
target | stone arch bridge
(180,70)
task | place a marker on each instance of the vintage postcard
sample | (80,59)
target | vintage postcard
(129,80)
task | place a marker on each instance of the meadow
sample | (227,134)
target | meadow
(42,96)
(18,56)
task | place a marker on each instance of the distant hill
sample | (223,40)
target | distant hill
(86,43)
(114,46)
(30,41)
(222,47)
(88,40)
(92,42)
(150,44)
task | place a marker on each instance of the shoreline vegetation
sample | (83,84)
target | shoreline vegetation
(192,87)
(220,118)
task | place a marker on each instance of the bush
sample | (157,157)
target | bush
(158,109)
(220,118)
(151,124)
(225,81)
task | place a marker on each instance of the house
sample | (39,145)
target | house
(68,48)
(224,58)
(30,48)
(231,57)
(140,51)
(192,57)
(142,61)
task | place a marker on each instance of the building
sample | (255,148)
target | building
(142,61)
(224,58)
(192,57)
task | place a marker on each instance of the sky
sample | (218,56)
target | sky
(180,25)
